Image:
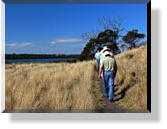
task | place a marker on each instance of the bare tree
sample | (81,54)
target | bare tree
(105,23)
(90,35)
(108,23)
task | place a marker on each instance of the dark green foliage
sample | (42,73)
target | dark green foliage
(106,38)
(132,37)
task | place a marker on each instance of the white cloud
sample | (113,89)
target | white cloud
(19,44)
(65,40)
(11,44)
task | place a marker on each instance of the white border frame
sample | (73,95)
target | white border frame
(62,116)
(2,37)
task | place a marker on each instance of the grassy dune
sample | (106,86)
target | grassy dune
(53,86)
(131,79)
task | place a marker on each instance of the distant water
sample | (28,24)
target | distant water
(47,60)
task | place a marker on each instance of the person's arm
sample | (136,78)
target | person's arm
(115,67)
(100,69)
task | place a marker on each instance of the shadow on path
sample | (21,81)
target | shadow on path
(119,93)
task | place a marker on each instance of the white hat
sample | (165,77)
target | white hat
(108,53)
(104,49)
(111,54)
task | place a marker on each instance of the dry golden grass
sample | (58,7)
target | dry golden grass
(131,79)
(53,86)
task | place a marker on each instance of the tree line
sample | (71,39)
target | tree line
(38,56)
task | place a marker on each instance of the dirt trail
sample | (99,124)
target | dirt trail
(112,107)
(107,105)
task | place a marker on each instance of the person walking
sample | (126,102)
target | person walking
(97,60)
(108,67)
(99,55)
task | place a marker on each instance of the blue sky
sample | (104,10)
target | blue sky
(57,28)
